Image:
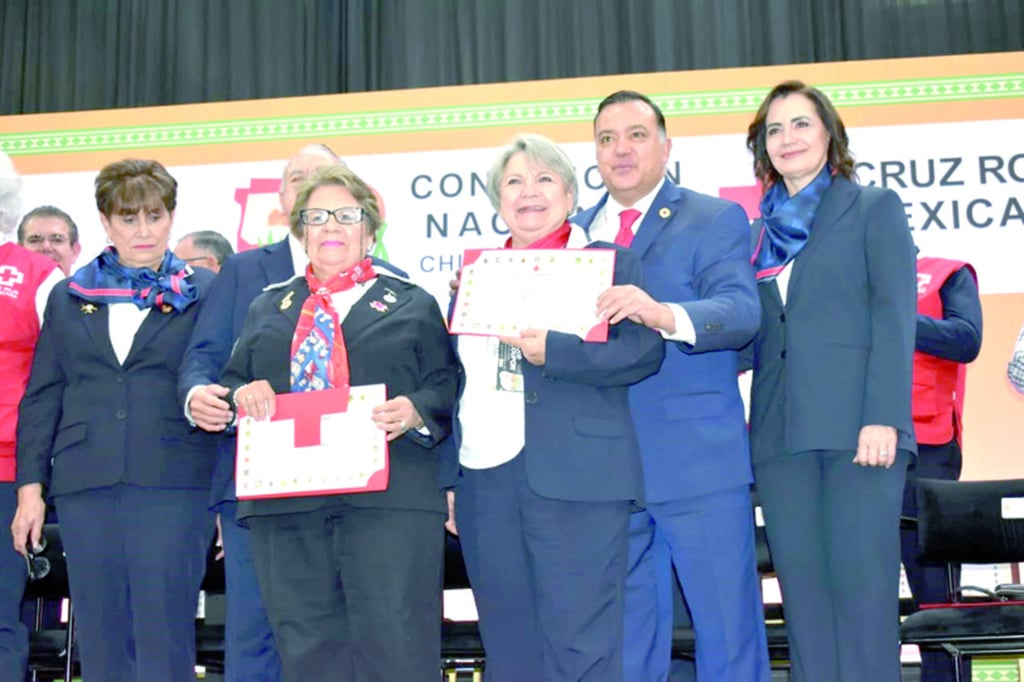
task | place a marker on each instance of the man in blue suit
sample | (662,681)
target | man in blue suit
(700,294)
(250,651)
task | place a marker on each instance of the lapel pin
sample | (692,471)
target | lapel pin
(664,212)
(378,306)
(286,302)
(389,296)
(166,308)
(88,308)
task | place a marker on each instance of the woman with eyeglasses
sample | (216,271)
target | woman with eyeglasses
(101,434)
(352,582)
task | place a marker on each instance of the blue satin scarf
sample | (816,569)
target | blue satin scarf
(107,281)
(786,224)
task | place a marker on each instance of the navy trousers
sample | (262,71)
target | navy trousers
(928,581)
(547,575)
(709,542)
(136,558)
(13,573)
(250,652)
(833,528)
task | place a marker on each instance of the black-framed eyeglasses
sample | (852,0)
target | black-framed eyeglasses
(346,215)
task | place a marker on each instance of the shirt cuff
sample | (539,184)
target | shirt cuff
(188,401)
(684,326)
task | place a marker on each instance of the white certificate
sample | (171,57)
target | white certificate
(504,291)
(317,443)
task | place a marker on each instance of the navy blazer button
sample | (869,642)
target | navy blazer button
(782,317)
(783,355)
(120,378)
(121,414)
(530,397)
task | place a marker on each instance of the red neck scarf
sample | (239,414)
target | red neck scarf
(305,367)
(555,240)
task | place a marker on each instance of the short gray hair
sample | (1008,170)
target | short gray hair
(541,151)
(214,243)
(10,194)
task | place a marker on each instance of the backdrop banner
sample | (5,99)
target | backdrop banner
(946,133)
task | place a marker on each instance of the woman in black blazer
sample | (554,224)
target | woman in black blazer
(352,582)
(831,429)
(100,432)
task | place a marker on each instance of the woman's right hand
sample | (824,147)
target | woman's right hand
(257,398)
(27,526)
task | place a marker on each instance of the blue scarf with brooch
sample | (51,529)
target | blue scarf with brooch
(786,224)
(107,281)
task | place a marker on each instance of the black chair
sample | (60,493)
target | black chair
(462,651)
(50,650)
(210,636)
(970,522)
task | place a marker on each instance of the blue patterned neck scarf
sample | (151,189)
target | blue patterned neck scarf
(786,224)
(107,281)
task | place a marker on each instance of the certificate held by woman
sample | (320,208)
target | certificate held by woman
(316,443)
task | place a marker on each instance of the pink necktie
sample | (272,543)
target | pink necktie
(624,237)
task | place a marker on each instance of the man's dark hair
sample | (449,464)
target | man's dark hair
(623,96)
(48,212)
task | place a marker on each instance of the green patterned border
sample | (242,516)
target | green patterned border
(675,105)
(995,670)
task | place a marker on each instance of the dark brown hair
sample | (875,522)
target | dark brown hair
(128,186)
(839,156)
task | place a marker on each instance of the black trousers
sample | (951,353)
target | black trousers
(928,581)
(353,594)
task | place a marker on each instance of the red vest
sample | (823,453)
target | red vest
(21,274)
(938,400)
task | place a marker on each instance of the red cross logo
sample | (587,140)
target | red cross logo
(10,275)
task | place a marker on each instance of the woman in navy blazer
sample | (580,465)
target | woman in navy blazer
(550,463)
(100,432)
(831,429)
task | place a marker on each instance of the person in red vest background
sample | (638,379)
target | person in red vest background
(26,279)
(948,337)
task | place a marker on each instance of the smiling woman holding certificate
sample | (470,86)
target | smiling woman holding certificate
(351,582)
(549,457)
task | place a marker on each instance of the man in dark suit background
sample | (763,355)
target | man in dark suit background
(699,293)
(250,651)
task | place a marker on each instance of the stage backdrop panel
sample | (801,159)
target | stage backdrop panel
(946,133)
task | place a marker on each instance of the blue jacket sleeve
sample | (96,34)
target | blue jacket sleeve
(957,336)
(213,336)
(727,314)
(892,282)
(632,353)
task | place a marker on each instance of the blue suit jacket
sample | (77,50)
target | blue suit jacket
(242,278)
(102,422)
(580,441)
(839,354)
(689,416)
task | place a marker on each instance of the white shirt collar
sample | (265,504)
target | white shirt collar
(606,224)
(298,253)
(614,208)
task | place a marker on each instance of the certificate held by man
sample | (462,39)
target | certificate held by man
(316,443)
(503,292)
